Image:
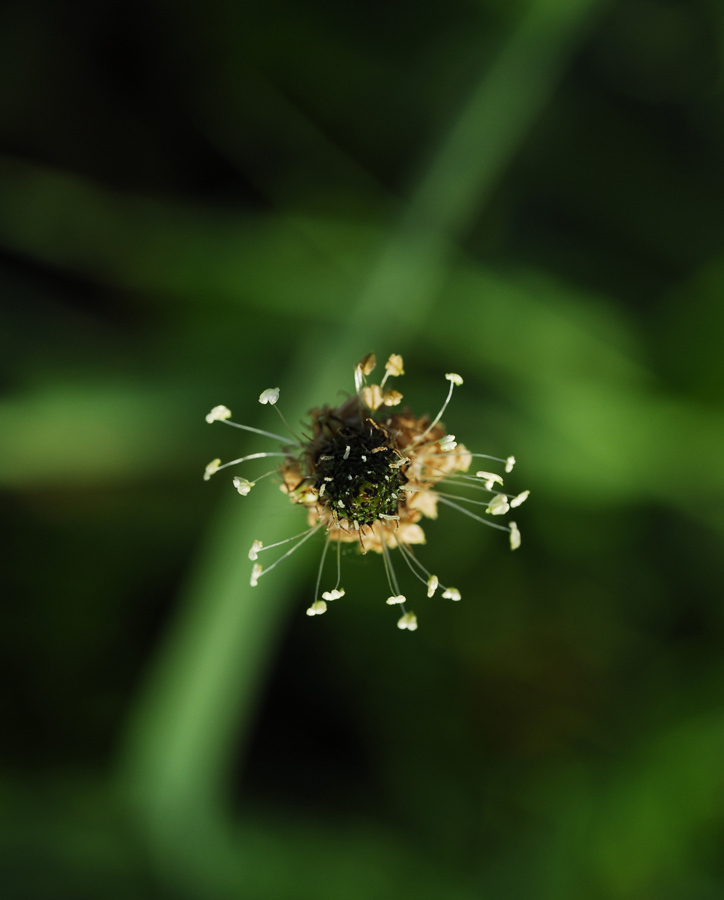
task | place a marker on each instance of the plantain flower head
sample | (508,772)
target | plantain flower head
(369,473)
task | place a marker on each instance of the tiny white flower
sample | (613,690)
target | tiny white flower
(408,621)
(521,498)
(452,593)
(509,463)
(255,573)
(333,595)
(317,608)
(212,467)
(514,536)
(498,506)
(218,414)
(456,379)
(432,583)
(400,598)
(448,443)
(270,395)
(255,548)
(242,485)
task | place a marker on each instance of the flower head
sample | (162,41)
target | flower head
(369,475)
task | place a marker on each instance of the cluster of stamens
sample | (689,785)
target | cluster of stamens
(368,475)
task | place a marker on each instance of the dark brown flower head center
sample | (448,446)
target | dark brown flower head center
(358,474)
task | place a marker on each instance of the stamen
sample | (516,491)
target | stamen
(391,398)
(243,486)
(257,576)
(212,468)
(408,621)
(255,548)
(432,585)
(472,515)
(285,541)
(490,479)
(452,593)
(521,498)
(514,536)
(400,598)
(453,379)
(486,503)
(288,426)
(389,568)
(270,395)
(364,367)
(393,367)
(372,396)
(321,566)
(317,608)
(509,463)
(277,437)
(339,561)
(218,414)
(410,558)
(498,506)
(241,459)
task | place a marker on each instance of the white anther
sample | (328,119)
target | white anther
(498,506)
(270,395)
(509,463)
(317,608)
(391,398)
(372,396)
(451,593)
(456,379)
(432,583)
(521,498)
(400,598)
(333,595)
(490,479)
(255,548)
(242,485)
(255,573)
(408,621)
(212,467)
(394,365)
(218,414)
(514,536)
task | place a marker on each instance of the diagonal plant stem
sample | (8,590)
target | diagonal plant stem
(201,692)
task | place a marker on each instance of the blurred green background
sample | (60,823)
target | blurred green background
(202,200)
